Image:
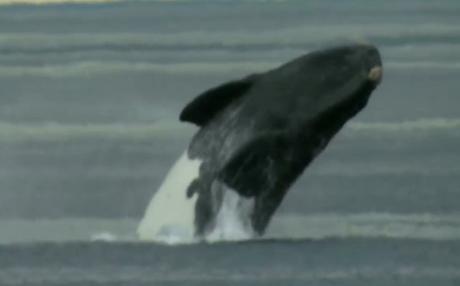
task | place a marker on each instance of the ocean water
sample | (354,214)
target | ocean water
(89,102)
(271,262)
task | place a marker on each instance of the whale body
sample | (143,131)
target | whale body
(256,136)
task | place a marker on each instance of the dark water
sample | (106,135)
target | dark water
(271,262)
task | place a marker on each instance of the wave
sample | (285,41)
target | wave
(421,5)
(415,226)
(294,37)
(104,236)
(58,131)
(422,52)
(47,2)
(83,69)
(438,65)
(428,124)
(67,229)
(50,2)
(95,68)
(284,226)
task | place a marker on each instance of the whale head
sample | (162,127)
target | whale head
(344,63)
(333,85)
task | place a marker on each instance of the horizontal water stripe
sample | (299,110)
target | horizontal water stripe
(423,226)
(54,131)
(46,2)
(146,276)
(85,69)
(414,5)
(415,125)
(316,226)
(391,34)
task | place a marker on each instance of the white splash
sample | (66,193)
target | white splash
(169,218)
(104,236)
(233,221)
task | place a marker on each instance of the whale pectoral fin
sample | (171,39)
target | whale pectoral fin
(254,167)
(264,208)
(204,107)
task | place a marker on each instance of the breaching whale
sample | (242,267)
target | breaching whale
(256,136)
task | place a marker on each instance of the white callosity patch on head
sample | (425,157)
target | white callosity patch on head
(376,73)
(233,220)
(170,215)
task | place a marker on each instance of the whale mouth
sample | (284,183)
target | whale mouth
(375,74)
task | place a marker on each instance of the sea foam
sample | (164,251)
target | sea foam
(170,215)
